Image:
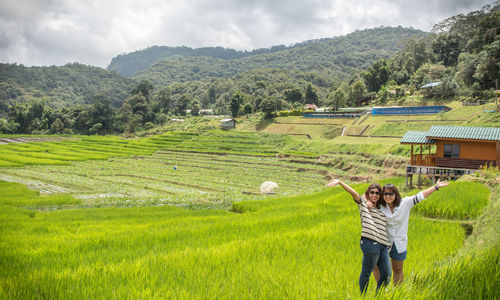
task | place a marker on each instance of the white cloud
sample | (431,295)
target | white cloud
(47,32)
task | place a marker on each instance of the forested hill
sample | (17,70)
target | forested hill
(332,57)
(131,63)
(61,86)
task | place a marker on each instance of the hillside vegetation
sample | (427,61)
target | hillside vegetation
(130,63)
(333,57)
(362,68)
(64,86)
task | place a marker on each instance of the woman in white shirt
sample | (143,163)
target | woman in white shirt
(397,211)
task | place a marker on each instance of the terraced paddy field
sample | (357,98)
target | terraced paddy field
(101,220)
(215,169)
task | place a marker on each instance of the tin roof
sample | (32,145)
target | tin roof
(226,120)
(468,133)
(432,84)
(416,137)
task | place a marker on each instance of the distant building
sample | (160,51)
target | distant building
(312,107)
(228,123)
(458,151)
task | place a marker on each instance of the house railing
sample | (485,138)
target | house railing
(438,171)
(423,159)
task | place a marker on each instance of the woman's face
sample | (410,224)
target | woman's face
(389,197)
(374,195)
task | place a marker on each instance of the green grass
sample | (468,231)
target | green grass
(301,247)
(459,200)
(17,195)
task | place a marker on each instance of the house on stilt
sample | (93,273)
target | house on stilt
(451,151)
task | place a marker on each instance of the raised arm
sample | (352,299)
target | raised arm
(347,188)
(439,184)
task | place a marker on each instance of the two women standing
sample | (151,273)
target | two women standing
(384,227)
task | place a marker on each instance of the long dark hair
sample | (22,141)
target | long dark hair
(394,189)
(374,186)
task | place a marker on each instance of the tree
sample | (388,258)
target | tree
(139,106)
(164,100)
(358,92)
(101,112)
(182,104)
(269,106)
(144,87)
(488,68)
(447,48)
(57,126)
(236,101)
(95,129)
(212,96)
(337,99)
(247,109)
(195,108)
(311,96)
(466,68)
(8,126)
(293,95)
(34,126)
(376,75)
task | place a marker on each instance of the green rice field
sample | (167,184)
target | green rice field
(180,216)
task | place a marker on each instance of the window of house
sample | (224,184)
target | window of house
(452,150)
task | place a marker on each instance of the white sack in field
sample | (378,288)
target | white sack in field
(269,187)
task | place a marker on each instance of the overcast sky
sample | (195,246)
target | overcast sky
(55,32)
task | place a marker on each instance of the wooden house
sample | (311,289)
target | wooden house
(228,123)
(451,151)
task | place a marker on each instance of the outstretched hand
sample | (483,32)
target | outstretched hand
(333,182)
(441,184)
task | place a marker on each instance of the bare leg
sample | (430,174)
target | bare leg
(397,271)
(376,273)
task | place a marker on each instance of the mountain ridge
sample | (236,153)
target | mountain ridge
(136,62)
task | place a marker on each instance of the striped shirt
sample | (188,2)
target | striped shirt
(373,223)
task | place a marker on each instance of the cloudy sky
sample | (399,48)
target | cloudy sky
(55,32)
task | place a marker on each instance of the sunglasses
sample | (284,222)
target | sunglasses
(374,193)
(388,194)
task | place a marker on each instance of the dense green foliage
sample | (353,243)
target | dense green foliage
(463,53)
(336,56)
(131,63)
(64,86)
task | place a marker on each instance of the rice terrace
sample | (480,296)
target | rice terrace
(284,172)
(180,215)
